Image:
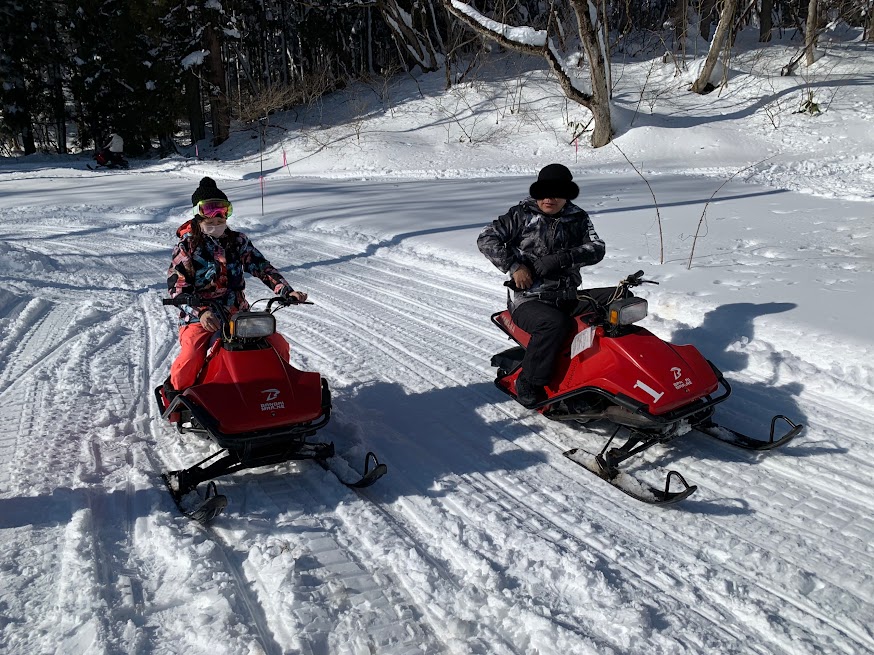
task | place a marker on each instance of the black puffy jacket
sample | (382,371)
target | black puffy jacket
(525,234)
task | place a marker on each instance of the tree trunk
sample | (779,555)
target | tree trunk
(708,9)
(168,144)
(411,33)
(871,23)
(703,85)
(195,110)
(680,22)
(218,91)
(285,72)
(59,108)
(591,35)
(27,135)
(598,102)
(766,21)
(810,32)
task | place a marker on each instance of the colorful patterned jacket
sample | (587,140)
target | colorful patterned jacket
(215,271)
(525,233)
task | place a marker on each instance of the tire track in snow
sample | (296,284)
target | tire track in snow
(394,278)
(714,565)
(838,581)
(838,574)
(49,372)
(35,335)
(498,497)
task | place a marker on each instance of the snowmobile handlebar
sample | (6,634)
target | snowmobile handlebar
(636,279)
(196,301)
(548,295)
(554,295)
(284,302)
(178,301)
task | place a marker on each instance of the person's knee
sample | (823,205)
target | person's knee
(554,326)
(194,342)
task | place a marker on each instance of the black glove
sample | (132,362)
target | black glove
(549,264)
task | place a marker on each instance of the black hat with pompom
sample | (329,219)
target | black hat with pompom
(207,190)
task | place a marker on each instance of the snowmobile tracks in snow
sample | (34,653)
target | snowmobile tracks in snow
(311,569)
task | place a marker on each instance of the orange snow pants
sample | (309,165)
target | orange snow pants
(195,343)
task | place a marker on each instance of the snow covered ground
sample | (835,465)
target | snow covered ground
(482,538)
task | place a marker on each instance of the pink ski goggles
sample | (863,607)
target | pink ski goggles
(215,208)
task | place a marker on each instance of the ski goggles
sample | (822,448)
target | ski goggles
(215,208)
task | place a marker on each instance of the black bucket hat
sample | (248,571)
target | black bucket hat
(554,181)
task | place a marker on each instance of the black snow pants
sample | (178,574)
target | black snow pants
(549,325)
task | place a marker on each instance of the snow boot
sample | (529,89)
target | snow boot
(526,393)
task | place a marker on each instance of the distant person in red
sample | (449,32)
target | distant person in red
(113,151)
(209,261)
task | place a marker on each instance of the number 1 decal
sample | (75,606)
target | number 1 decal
(652,392)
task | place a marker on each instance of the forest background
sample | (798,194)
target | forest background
(164,73)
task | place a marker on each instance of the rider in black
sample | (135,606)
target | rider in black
(542,243)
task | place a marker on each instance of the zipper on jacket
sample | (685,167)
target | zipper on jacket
(551,233)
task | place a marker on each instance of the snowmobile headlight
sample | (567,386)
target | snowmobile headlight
(627,311)
(252,325)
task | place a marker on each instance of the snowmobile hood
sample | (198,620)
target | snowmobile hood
(664,376)
(252,391)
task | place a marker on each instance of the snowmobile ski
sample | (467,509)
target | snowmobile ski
(214,505)
(740,440)
(370,476)
(180,484)
(630,485)
(211,506)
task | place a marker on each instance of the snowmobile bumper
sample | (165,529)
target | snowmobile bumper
(256,438)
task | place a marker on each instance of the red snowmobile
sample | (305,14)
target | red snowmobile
(616,371)
(254,405)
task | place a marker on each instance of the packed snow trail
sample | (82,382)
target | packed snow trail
(482,538)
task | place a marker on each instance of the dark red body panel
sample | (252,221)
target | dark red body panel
(251,390)
(637,364)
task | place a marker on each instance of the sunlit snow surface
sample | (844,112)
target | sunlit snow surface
(482,538)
